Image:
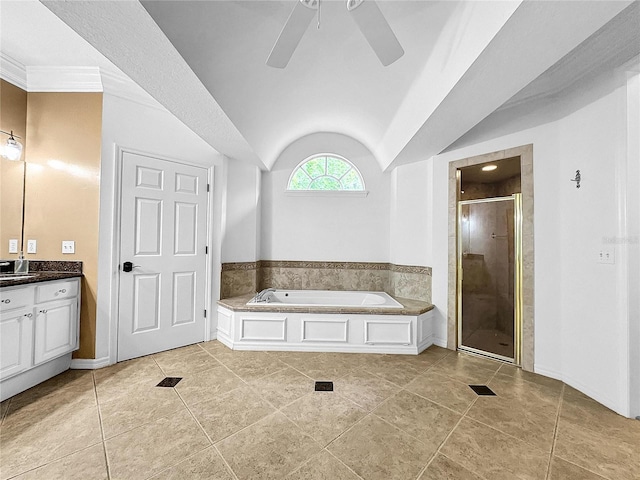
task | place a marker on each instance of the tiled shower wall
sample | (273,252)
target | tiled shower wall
(398,280)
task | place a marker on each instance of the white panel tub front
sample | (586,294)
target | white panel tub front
(224,321)
(396,332)
(263,329)
(325,330)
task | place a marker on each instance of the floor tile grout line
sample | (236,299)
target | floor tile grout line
(337,436)
(555,433)
(482,477)
(225,462)
(497,429)
(398,428)
(151,420)
(584,468)
(348,430)
(212,444)
(104,445)
(342,463)
(462,417)
(457,412)
(435,454)
(6,410)
(54,460)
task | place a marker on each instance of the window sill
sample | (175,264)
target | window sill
(326,193)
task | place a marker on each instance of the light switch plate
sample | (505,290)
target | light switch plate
(32,246)
(13,245)
(68,246)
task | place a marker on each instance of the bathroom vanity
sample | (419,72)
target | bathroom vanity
(39,329)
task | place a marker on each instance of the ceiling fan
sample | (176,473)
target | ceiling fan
(367,16)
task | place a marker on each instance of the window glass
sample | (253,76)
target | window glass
(326,173)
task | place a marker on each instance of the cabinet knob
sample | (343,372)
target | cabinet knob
(62,290)
(6,300)
(43,311)
(28,315)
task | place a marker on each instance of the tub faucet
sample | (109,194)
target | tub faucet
(263,295)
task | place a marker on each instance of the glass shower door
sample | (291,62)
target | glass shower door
(488,267)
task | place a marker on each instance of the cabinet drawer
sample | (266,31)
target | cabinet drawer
(18,297)
(57,290)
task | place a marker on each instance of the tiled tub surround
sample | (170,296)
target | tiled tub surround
(281,327)
(412,282)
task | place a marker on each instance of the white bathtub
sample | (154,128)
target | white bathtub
(328,298)
(325,321)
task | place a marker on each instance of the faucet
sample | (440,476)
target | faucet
(263,295)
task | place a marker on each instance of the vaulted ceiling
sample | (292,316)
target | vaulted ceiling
(205,62)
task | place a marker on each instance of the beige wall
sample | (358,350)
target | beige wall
(13,116)
(63,187)
(61,137)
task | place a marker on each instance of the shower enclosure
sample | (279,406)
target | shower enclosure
(489,277)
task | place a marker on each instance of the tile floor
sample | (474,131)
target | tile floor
(254,415)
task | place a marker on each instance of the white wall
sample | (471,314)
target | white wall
(325,228)
(581,336)
(410,219)
(146,128)
(241,228)
(630,235)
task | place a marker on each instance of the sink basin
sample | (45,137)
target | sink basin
(13,276)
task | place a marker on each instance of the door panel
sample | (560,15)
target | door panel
(186,231)
(163,234)
(487,303)
(55,330)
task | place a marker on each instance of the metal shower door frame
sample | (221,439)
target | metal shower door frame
(516,198)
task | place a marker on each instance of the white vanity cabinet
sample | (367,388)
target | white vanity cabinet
(39,327)
(56,320)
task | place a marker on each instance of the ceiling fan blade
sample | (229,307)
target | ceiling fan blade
(292,33)
(376,30)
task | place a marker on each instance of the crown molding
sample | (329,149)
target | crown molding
(13,71)
(64,79)
(121,86)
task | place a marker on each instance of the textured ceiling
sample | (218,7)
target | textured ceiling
(205,62)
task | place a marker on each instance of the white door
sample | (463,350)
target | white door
(163,236)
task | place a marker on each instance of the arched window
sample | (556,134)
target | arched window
(325,172)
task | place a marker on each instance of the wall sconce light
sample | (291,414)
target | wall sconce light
(12,150)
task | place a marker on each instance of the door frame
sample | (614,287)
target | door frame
(114,321)
(516,198)
(525,152)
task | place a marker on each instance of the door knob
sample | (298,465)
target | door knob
(128,266)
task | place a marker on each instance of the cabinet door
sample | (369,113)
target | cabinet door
(16,340)
(56,328)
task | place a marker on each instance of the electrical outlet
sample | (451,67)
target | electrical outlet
(13,245)
(607,255)
(68,246)
(32,246)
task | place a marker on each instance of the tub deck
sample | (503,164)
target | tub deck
(409,307)
(356,329)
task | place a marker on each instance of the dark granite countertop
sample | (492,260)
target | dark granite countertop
(410,307)
(35,277)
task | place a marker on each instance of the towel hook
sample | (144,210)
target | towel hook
(577,179)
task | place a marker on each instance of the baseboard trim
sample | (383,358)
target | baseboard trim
(89,363)
(588,391)
(440,342)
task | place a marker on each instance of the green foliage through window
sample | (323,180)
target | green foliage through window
(326,173)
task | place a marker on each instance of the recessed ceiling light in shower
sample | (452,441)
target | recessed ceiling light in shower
(489,168)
